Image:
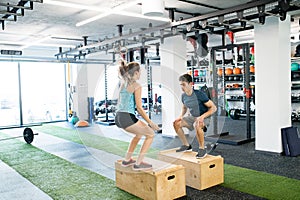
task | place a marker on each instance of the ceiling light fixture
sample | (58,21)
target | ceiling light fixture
(130,14)
(114,10)
(74,5)
(153,7)
(105,10)
(34,43)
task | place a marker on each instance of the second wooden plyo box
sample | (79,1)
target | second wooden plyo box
(164,182)
(200,173)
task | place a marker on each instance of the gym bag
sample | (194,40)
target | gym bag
(290,141)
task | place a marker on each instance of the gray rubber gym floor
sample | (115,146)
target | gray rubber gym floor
(14,186)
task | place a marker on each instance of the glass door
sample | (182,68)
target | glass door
(9,95)
(43,92)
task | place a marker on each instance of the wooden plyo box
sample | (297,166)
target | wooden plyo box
(200,173)
(164,182)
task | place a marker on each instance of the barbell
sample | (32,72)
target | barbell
(28,136)
(237,113)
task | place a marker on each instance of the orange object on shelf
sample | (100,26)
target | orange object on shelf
(252,69)
(220,71)
(196,72)
(228,71)
(237,70)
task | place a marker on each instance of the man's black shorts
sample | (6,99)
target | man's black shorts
(124,119)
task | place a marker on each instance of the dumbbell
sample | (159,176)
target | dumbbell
(235,114)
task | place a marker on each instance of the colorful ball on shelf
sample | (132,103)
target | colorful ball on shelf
(196,73)
(228,71)
(220,71)
(295,66)
(200,73)
(252,69)
(237,70)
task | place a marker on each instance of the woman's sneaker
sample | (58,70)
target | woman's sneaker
(184,148)
(128,163)
(142,166)
(201,153)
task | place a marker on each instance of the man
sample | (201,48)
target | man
(200,108)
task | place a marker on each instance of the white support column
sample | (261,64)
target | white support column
(173,64)
(272,83)
(80,97)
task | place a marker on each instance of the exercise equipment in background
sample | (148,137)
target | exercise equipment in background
(28,136)
(295,66)
(236,114)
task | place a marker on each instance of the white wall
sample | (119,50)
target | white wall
(272,83)
(173,64)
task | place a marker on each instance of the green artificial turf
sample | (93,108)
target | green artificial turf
(69,181)
(261,184)
(253,182)
(57,177)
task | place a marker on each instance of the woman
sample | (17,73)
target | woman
(129,101)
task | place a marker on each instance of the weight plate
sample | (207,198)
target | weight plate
(28,135)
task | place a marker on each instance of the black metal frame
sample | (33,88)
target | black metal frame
(12,10)
(224,138)
(200,24)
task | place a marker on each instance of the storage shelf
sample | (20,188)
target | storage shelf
(295,88)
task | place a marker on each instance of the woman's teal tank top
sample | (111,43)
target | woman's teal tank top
(126,102)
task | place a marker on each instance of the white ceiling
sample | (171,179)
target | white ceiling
(49,26)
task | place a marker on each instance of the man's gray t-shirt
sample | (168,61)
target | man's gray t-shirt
(195,102)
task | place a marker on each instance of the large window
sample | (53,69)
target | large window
(43,92)
(9,95)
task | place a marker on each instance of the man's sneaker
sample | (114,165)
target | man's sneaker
(201,153)
(142,166)
(128,163)
(211,147)
(184,148)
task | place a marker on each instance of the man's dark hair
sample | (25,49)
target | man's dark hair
(186,78)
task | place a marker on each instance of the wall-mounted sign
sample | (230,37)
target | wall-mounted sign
(11,52)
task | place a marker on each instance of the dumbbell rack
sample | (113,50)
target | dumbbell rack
(295,91)
(219,84)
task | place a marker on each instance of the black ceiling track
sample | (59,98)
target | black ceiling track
(12,11)
(235,19)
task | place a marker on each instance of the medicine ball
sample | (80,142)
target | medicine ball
(252,69)
(228,71)
(220,71)
(196,73)
(237,70)
(294,66)
(200,73)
